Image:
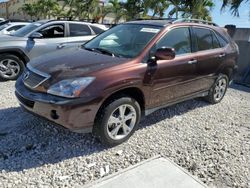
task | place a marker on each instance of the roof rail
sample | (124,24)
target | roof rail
(167,19)
(195,21)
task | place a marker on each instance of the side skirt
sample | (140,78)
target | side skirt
(196,95)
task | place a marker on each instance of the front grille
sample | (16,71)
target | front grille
(33,79)
(24,101)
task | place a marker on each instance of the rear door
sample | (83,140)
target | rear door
(78,34)
(209,54)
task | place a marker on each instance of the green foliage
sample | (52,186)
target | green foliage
(234,6)
(126,9)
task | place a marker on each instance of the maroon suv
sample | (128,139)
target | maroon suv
(129,71)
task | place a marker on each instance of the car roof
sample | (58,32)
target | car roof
(18,23)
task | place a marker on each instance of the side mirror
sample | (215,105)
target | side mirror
(36,35)
(165,53)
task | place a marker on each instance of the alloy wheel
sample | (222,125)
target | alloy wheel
(121,122)
(9,68)
(220,89)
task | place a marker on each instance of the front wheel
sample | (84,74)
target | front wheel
(117,121)
(11,67)
(218,90)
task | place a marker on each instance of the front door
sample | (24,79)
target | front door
(53,39)
(174,79)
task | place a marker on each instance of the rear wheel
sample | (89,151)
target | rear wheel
(218,90)
(117,121)
(11,67)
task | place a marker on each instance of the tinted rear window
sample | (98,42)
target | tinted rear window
(216,43)
(97,30)
(223,42)
(79,30)
(204,39)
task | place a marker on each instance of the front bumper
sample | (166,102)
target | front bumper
(77,114)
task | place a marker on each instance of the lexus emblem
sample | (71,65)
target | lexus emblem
(26,75)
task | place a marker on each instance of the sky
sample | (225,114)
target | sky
(225,17)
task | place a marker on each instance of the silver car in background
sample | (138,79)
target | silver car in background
(39,38)
(11,27)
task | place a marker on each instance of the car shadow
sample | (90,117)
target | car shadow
(28,142)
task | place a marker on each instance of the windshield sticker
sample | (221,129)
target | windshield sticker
(150,30)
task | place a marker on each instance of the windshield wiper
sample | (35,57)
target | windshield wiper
(103,51)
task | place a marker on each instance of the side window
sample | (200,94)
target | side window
(96,30)
(79,30)
(222,41)
(179,39)
(53,31)
(216,43)
(14,28)
(204,39)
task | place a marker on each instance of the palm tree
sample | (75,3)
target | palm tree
(47,7)
(234,5)
(176,4)
(31,9)
(115,7)
(157,6)
(198,9)
(133,8)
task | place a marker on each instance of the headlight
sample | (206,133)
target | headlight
(70,88)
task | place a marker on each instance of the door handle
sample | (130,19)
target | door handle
(222,55)
(60,46)
(193,61)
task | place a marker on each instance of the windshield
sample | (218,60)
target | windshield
(126,40)
(26,29)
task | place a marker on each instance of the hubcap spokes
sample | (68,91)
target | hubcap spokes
(121,122)
(220,89)
(9,68)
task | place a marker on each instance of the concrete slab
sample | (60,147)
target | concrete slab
(153,173)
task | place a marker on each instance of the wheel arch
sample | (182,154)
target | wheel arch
(17,52)
(228,70)
(133,92)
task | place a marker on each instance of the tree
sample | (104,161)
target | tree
(31,9)
(157,6)
(115,7)
(176,4)
(234,5)
(197,9)
(133,8)
(46,7)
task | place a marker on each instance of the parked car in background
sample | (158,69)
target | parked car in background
(2,19)
(39,38)
(127,72)
(11,27)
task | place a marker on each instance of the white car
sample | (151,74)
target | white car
(2,19)
(11,27)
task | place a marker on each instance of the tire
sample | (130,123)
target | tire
(218,90)
(11,67)
(109,121)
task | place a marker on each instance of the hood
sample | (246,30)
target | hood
(7,38)
(75,62)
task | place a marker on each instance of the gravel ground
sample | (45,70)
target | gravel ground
(210,141)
